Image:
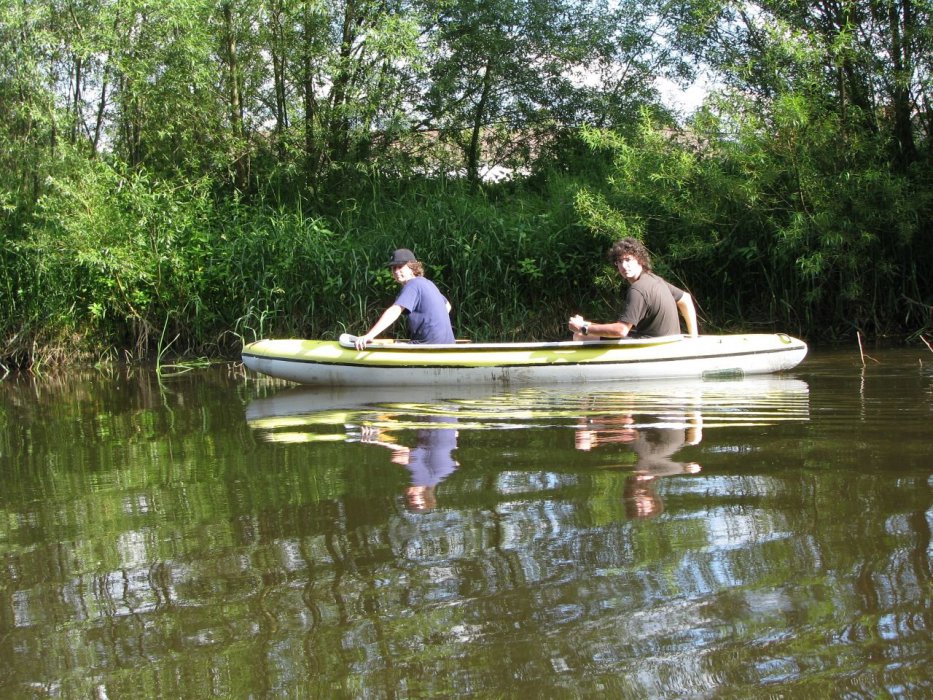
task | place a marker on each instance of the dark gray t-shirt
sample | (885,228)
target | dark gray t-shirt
(651,306)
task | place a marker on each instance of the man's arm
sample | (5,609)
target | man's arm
(389,316)
(689,312)
(597,330)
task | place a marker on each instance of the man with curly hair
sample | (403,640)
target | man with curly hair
(651,304)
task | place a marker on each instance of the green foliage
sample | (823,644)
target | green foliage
(800,226)
(116,258)
(176,177)
(274,270)
(506,268)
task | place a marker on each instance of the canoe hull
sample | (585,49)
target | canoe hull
(337,363)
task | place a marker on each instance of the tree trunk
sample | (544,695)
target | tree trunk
(905,149)
(338,138)
(311,154)
(277,51)
(474,151)
(235,99)
(76,101)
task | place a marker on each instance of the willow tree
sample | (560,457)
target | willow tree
(347,71)
(869,62)
(801,190)
(172,87)
(880,60)
(508,76)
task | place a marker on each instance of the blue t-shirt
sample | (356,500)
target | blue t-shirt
(431,461)
(426,308)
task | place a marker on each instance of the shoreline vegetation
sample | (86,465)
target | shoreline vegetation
(204,276)
(177,178)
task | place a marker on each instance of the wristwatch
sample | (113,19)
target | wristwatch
(585,329)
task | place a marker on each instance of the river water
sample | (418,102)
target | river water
(218,534)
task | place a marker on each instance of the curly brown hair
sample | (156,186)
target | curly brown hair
(633,247)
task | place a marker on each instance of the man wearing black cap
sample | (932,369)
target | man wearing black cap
(427,309)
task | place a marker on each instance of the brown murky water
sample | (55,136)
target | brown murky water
(220,535)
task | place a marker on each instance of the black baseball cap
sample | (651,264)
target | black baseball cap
(401,256)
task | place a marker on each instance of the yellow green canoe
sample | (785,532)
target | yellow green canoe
(388,363)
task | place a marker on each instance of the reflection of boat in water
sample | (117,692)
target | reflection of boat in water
(401,364)
(283,416)
(649,422)
(747,401)
(305,400)
(370,417)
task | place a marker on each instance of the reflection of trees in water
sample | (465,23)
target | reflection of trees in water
(207,560)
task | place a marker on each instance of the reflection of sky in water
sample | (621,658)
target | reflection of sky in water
(726,529)
(515,483)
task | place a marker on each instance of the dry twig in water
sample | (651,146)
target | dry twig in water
(861,352)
